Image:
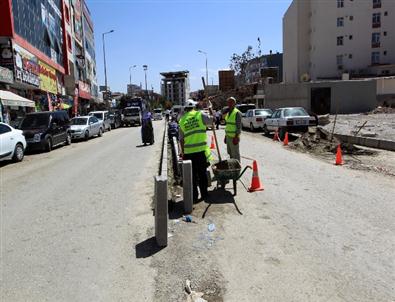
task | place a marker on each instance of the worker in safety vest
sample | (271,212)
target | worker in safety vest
(193,140)
(233,129)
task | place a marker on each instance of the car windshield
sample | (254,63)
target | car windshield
(245,108)
(263,112)
(158,111)
(78,121)
(98,115)
(131,111)
(35,121)
(295,112)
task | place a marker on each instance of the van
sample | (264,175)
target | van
(45,130)
(104,116)
(243,108)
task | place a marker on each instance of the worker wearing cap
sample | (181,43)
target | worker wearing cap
(233,129)
(193,140)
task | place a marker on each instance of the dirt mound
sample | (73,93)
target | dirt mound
(380,109)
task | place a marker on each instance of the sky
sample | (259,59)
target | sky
(167,34)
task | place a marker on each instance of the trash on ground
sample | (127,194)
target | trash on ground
(211,227)
(169,235)
(176,221)
(193,296)
(187,218)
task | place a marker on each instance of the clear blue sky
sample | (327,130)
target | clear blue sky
(167,34)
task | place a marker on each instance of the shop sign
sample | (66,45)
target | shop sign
(84,90)
(6,56)
(48,78)
(27,69)
(6,75)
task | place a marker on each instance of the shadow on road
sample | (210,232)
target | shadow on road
(142,146)
(147,248)
(176,209)
(220,196)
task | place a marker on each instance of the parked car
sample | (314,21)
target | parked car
(243,108)
(115,119)
(291,119)
(255,118)
(12,143)
(45,130)
(132,116)
(103,116)
(84,127)
(157,114)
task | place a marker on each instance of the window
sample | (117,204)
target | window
(385,33)
(69,46)
(339,60)
(375,57)
(340,40)
(340,3)
(376,3)
(385,13)
(375,40)
(350,56)
(67,14)
(4,129)
(340,22)
(376,20)
(351,18)
(385,52)
(350,37)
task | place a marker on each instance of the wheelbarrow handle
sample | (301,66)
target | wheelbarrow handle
(242,172)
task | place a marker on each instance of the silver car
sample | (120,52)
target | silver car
(104,116)
(84,127)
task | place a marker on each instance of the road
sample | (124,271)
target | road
(70,219)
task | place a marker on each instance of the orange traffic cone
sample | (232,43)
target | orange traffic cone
(339,160)
(212,146)
(275,137)
(255,182)
(286,139)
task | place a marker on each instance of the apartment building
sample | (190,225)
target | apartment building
(175,86)
(327,39)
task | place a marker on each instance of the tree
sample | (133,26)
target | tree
(238,63)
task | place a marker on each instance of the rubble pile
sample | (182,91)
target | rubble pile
(380,109)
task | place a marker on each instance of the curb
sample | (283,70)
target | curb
(367,142)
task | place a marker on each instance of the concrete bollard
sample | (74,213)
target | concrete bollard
(161,210)
(187,186)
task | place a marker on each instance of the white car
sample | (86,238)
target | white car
(157,114)
(84,127)
(12,143)
(104,116)
(290,119)
(255,118)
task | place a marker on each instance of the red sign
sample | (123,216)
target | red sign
(84,90)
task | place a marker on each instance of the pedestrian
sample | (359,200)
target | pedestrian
(217,119)
(147,131)
(193,140)
(233,129)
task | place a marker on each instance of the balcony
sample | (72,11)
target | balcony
(376,4)
(376,24)
(375,44)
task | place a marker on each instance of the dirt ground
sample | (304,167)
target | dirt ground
(378,125)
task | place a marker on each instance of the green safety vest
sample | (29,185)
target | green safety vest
(195,137)
(230,128)
(209,156)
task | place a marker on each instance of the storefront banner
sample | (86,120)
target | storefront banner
(27,69)
(48,80)
(6,75)
(84,90)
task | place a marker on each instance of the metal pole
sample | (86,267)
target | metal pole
(206,71)
(105,67)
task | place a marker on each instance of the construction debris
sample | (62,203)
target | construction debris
(193,296)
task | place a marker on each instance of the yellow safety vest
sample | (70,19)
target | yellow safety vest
(195,137)
(230,128)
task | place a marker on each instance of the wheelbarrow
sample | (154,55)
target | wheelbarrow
(227,170)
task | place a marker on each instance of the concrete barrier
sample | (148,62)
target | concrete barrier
(161,197)
(187,186)
(367,142)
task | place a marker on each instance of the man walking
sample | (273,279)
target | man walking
(233,129)
(193,140)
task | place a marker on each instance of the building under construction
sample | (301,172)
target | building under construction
(175,86)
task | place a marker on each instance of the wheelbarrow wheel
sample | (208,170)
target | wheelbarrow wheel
(234,187)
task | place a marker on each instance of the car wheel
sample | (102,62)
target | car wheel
(281,133)
(109,128)
(68,139)
(48,145)
(252,129)
(100,132)
(19,153)
(86,135)
(265,130)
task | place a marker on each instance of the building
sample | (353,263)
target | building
(42,45)
(175,86)
(326,39)
(266,66)
(133,89)
(226,80)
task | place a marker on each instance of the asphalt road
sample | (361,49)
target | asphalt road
(70,220)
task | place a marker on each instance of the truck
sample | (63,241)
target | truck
(132,110)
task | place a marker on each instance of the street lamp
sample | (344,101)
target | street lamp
(145,67)
(130,78)
(104,56)
(205,53)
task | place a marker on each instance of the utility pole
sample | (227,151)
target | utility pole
(130,79)
(104,57)
(205,53)
(145,67)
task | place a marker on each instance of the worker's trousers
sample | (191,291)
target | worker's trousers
(199,175)
(233,150)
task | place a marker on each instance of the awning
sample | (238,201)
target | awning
(8,98)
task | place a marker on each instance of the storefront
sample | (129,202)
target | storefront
(14,108)
(84,94)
